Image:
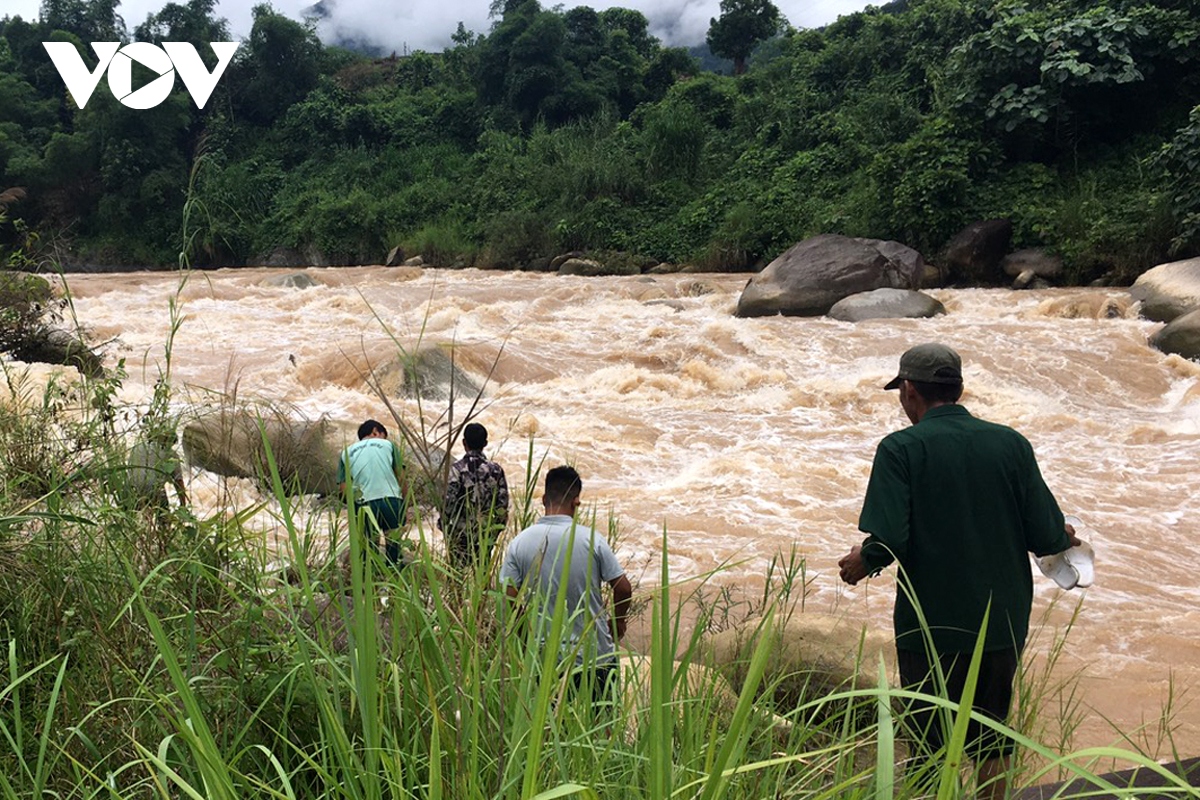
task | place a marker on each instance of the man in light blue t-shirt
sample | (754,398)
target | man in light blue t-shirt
(535,562)
(375,467)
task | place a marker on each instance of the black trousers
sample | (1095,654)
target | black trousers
(993,697)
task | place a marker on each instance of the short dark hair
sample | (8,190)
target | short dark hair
(475,436)
(563,485)
(369,427)
(938,392)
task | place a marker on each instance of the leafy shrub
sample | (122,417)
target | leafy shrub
(1109,218)
(27,305)
(515,238)
(923,187)
(1180,163)
(673,141)
(444,243)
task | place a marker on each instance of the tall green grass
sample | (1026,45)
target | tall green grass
(151,655)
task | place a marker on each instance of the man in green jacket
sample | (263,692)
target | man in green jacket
(959,503)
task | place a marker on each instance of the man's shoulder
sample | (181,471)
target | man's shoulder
(554,525)
(474,462)
(534,535)
(996,430)
(959,421)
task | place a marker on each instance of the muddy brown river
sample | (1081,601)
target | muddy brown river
(743,437)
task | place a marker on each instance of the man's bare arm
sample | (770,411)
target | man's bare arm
(622,591)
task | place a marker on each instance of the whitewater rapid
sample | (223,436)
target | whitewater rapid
(743,438)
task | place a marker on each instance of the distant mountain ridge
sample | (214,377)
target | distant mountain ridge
(322,14)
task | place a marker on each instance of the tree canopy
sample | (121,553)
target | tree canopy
(575,129)
(743,24)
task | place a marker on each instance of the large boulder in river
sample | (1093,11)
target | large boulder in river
(29,307)
(1168,290)
(292,280)
(814,274)
(591,268)
(234,442)
(886,304)
(974,253)
(57,346)
(1181,336)
(430,373)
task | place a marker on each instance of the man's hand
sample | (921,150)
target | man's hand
(622,591)
(853,568)
(1070,529)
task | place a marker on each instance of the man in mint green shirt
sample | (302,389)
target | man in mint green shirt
(959,503)
(375,467)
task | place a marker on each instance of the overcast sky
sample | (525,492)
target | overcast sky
(427,24)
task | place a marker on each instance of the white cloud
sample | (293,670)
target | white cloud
(428,24)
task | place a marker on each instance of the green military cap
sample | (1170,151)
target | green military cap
(928,363)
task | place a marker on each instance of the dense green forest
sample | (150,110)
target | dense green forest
(574,129)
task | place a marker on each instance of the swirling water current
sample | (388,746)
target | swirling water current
(742,437)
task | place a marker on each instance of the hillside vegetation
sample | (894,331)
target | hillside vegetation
(575,129)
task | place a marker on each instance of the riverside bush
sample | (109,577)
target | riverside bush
(27,306)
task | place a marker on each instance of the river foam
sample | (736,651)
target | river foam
(743,437)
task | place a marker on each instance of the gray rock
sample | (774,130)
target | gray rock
(665,268)
(57,346)
(139,480)
(1181,336)
(886,304)
(591,268)
(230,442)
(1024,280)
(294,280)
(542,264)
(310,256)
(415,261)
(932,277)
(1043,264)
(395,257)
(696,288)
(430,374)
(673,304)
(1168,290)
(814,274)
(912,265)
(974,253)
(558,261)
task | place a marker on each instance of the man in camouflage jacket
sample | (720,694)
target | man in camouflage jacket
(476,507)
